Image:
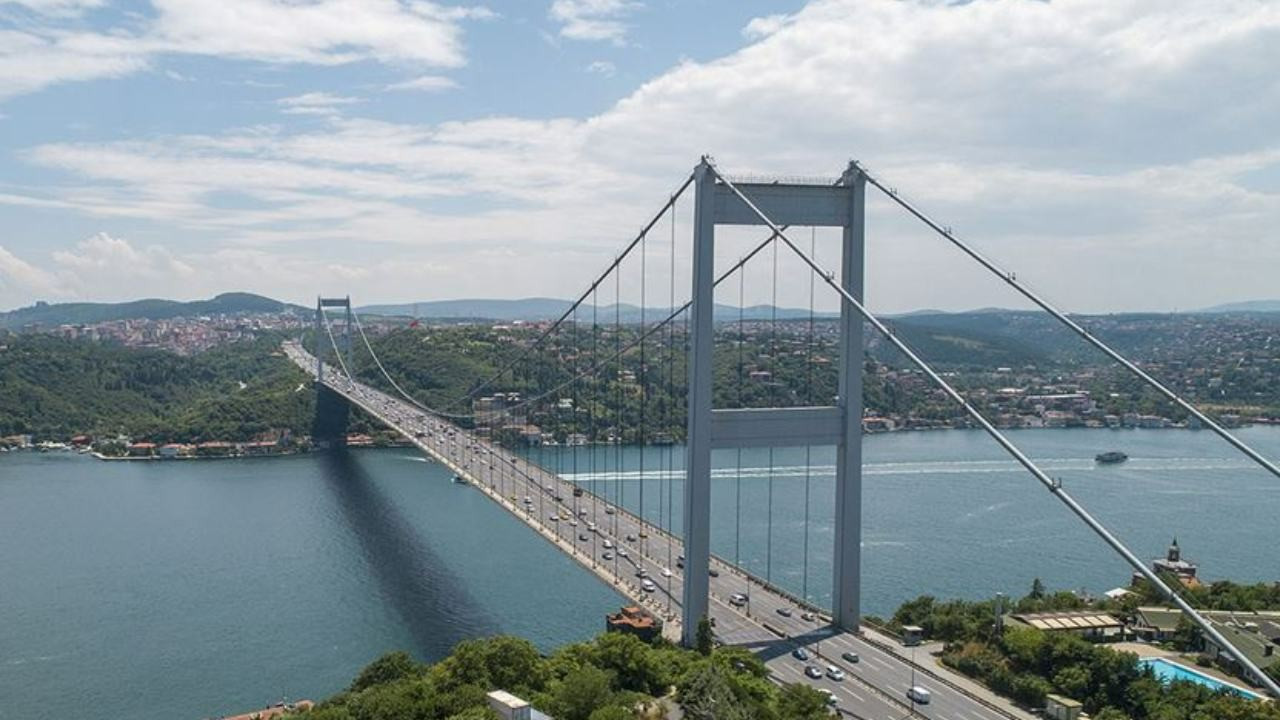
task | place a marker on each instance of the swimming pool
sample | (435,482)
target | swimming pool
(1168,671)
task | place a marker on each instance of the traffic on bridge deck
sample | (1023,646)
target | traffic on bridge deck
(872,678)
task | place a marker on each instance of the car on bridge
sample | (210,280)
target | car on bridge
(849,656)
(835,673)
(813,672)
(738,600)
(784,611)
(918,695)
(800,654)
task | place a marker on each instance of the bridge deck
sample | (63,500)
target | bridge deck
(875,687)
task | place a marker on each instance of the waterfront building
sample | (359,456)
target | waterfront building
(1173,564)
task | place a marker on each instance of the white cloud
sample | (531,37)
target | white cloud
(30,61)
(318,32)
(20,279)
(314,103)
(55,7)
(425,83)
(593,19)
(114,258)
(764,26)
(1097,146)
(603,67)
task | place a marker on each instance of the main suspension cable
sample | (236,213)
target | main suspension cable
(669,205)
(1011,279)
(412,400)
(1054,486)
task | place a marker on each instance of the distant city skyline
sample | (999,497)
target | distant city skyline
(1118,155)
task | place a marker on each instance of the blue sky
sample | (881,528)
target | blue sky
(1120,154)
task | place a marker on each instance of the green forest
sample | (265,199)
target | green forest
(613,677)
(53,389)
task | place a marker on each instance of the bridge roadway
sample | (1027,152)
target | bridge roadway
(874,687)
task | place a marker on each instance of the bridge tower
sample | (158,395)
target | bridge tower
(787,204)
(329,426)
(323,329)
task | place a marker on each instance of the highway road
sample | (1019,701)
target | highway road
(625,551)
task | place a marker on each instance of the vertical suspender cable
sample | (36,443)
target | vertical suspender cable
(644,393)
(774,366)
(595,401)
(808,449)
(575,438)
(737,483)
(671,405)
(619,494)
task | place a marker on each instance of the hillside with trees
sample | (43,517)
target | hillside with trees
(614,677)
(54,388)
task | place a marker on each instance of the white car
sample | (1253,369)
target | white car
(666,572)
(647,585)
(608,544)
(918,694)
(835,673)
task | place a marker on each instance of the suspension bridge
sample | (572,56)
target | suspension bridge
(664,380)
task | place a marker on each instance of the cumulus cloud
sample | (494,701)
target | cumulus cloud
(1102,148)
(20,279)
(104,255)
(764,26)
(593,19)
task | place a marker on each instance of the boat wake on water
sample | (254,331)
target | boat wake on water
(950,467)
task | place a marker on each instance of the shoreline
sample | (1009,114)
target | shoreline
(100,456)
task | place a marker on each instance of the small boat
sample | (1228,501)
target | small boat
(1110,457)
(460,480)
